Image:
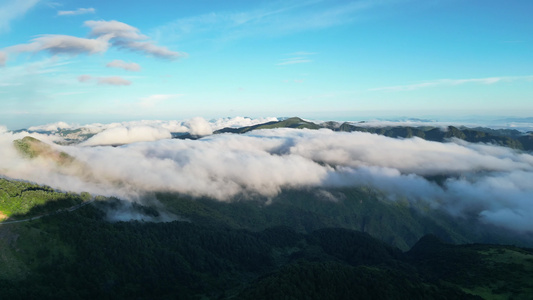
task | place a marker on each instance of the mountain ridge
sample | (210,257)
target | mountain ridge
(502,137)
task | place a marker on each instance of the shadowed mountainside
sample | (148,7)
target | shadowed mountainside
(80,254)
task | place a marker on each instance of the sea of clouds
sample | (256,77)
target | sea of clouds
(490,183)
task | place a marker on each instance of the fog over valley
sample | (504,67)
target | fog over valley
(489,183)
(300,149)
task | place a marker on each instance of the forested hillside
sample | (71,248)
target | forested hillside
(214,254)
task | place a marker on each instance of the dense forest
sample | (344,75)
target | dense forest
(209,253)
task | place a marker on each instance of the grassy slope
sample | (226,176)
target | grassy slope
(19,200)
(31,148)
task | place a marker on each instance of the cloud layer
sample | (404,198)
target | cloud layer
(489,183)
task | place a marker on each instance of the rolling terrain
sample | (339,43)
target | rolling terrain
(503,137)
(241,251)
(271,210)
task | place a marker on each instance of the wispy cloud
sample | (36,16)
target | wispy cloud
(451,82)
(153,100)
(117,63)
(128,37)
(3,58)
(11,10)
(273,19)
(62,44)
(112,80)
(292,61)
(302,53)
(79,11)
(103,35)
(298,58)
(117,29)
(85,78)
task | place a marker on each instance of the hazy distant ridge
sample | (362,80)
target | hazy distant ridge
(502,137)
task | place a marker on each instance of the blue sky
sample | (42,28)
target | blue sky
(101,61)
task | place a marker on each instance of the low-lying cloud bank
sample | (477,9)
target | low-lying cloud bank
(139,131)
(490,183)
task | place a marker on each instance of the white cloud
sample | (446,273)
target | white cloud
(237,122)
(3,58)
(129,37)
(63,44)
(490,183)
(150,49)
(117,63)
(126,135)
(13,9)
(199,126)
(115,28)
(79,11)
(451,82)
(113,80)
(51,127)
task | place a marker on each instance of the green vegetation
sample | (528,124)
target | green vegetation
(24,146)
(397,223)
(287,123)
(235,251)
(31,148)
(19,200)
(490,271)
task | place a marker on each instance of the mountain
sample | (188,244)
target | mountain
(502,137)
(80,254)
(23,200)
(397,223)
(31,148)
(293,122)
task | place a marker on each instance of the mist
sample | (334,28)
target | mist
(486,182)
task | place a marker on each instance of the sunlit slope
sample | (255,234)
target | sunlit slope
(31,148)
(57,162)
(293,122)
(25,200)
